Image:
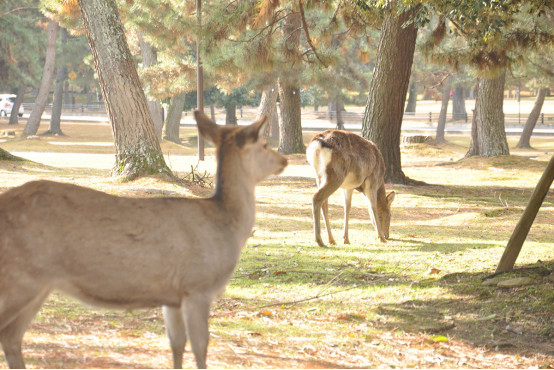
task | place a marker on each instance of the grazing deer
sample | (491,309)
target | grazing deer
(132,253)
(346,160)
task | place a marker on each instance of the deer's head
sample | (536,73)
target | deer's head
(257,159)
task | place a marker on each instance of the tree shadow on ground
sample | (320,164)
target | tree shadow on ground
(517,320)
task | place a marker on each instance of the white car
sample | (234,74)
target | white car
(6,105)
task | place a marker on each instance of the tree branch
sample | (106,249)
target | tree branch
(19,9)
(306,31)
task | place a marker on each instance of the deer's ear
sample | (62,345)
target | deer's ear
(251,134)
(207,127)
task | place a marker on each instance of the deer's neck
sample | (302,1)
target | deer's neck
(234,194)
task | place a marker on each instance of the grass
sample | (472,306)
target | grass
(416,301)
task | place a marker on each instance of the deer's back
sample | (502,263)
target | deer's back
(112,250)
(351,154)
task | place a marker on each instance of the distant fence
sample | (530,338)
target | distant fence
(348,117)
(431,117)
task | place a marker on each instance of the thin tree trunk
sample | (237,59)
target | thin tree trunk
(267,106)
(439,139)
(340,108)
(525,138)
(138,150)
(173,119)
(231,114)
(412,98)
(384,110)
(61,75)
(524,224)
(212,112)
(33,122)
(491,134)
(459,103)
(14,116)
(150,58)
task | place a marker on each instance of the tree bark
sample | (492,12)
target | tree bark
(290,121)
(268,104)
(439,138)
(231,114)
(14,115)
(489,140)
(61,75)
(340,107)
(412,98)
(33,122)
(382,119)
(150,58)
(290,127)
(173,119)
(459,104)
(524,224)
(524,139)
(138,150)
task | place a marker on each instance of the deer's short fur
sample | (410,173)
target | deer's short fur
(346,160)
(128,252)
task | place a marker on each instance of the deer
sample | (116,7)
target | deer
(343,159)
(131,253)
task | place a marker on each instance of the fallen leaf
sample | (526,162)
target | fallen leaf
(280,273)
(439,338)
(432,270)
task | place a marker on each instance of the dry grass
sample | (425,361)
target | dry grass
(416,301)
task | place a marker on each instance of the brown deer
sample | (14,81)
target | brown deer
(346,160)
(132,253)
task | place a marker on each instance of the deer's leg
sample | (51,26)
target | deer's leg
(325,211)
(371,194)
(323,193)
(197,312)
(11,335)
(347,205)
(176,332)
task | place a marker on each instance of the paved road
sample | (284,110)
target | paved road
(422,127)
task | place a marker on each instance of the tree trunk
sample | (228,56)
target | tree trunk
(490,137)
(412,98)
(212,112)
(173,119)
(33,122)
(459,104)
(14,115)
(524,224)
(231,114)
(340,108)
(382,119)
(61,75)
(138,150)
(524,139)
(439,139)
(150,58)
(267,106)
(274,123)
(290,124)
(6,156)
